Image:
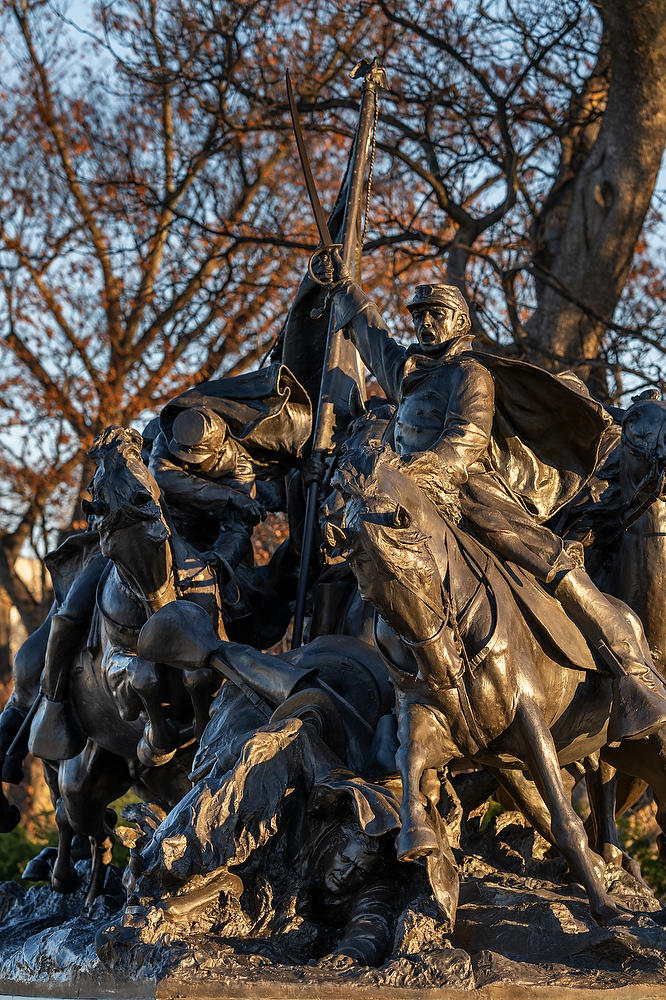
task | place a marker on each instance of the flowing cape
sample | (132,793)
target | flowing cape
(69,559)
(548,433)
(267,410)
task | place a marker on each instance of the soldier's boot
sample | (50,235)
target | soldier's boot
(12,720)
(54,735)
(639,694)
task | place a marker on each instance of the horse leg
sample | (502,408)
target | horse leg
(418,738)
(526,798)
(160,737)
(28,665)
(11,720)
(40,868)
(425,742)
(628,791)
(64,878)
(27,670)
(199,685)
(567,827)
(601,781)
(646,760)
(101,850)
(87,784)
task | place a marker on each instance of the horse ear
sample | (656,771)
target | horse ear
(402,518)
(652,393)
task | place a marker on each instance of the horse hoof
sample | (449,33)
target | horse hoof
(9,819)
(611,854)
(90,899)
(609,914)
(65,884)
(150,756)
(40,868)
(632,866)
(416,842)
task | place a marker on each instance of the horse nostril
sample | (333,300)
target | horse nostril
(141,498)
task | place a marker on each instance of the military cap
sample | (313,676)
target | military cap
(438,295)
(197,433)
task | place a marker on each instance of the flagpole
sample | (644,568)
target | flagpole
(374,77)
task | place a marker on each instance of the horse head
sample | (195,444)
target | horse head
(643,453)
(125,509)
(390,531)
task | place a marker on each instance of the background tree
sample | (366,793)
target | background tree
(147,229)
(153,222)
(524,143)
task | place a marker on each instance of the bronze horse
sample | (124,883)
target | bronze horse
(621,521)
(524,702)
(119,698)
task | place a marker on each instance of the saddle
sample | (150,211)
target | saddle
(499,586)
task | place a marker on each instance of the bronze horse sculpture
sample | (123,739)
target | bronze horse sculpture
(519,704)
(620,519)
(119,698)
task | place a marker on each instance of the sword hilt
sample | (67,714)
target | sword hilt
(329,248)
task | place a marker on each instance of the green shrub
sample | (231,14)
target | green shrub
(641,845)
(16,849)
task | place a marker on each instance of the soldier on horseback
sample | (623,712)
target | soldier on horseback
(508,444)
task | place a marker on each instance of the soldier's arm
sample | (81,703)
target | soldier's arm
(190,491)
(352,309)
(467,423)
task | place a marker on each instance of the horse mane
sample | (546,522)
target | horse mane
(125,440)
(357,475)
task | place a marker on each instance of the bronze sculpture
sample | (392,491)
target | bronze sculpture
(449,623)
(451,435)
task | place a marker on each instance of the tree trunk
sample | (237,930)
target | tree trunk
(13,587)
(581,279)
(5,639)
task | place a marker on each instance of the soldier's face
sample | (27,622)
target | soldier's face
(348,867)
(434,325)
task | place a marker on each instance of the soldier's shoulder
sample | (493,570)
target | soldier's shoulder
(473,366)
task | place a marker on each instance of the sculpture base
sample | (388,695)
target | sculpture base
(313,988)
(520,933)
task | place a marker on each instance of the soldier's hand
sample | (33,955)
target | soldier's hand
(245,505)
(328,267)
(313,470)
(438,482)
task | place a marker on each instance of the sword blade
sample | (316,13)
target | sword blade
(319,214)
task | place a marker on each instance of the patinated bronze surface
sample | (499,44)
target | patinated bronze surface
(320,815)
